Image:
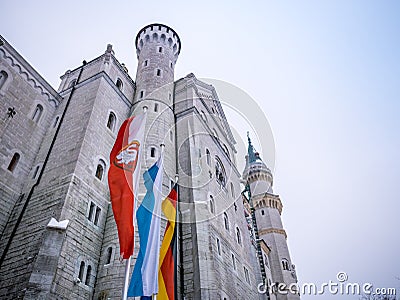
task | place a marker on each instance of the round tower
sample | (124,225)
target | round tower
(267,211)
(157,49)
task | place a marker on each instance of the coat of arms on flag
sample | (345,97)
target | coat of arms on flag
(128,156)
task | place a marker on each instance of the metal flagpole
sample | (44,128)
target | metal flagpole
(177,223)
(126,279)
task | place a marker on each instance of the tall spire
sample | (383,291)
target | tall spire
(253,155)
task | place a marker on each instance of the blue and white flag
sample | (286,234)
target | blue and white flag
(144,281)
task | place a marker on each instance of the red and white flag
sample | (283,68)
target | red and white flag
(123,178)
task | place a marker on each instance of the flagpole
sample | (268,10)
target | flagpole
(126,279)
(177,237)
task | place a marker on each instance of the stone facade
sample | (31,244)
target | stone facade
(54,158)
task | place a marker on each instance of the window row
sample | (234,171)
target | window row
(156,38)
(234,261)
(118,83)
(85,277)
(142,94)
(94,213)
(285,264)
(220,173)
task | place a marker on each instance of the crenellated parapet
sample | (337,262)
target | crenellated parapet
(158,33)
(267,201)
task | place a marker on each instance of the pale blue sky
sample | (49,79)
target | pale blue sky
(325,73)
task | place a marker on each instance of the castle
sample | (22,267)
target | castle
(58,236)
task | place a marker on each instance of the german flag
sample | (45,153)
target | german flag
(167,272)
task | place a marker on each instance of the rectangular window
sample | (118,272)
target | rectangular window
(156,107)
(153,152)
(171,136)
(91,211)
(97,216)
(218,246)
(141,94)
(158,72)
(145,63)
(160,49)
(233,261)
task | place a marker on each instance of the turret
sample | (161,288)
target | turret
(256,172)
(267,211)
(157,49)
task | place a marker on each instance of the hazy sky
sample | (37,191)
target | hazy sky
(327,77)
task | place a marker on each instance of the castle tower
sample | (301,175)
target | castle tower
(157,48)
(268,210)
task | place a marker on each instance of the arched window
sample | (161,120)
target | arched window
(109,255)
(119,84)
(266,261)
(220,172)
(3,78)
(88,274)
(81,271)
(238,236)
(233,261)
(37,113)
(14,162)
(72,83)
(111,121)
(212,205)
(155,37)
(285,264)
(262,212)
(163,37)
(226,221)
(100,169)
(208,157)
(218,246)
(246,274)
(232,190)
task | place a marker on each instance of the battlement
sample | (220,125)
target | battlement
(158,33)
